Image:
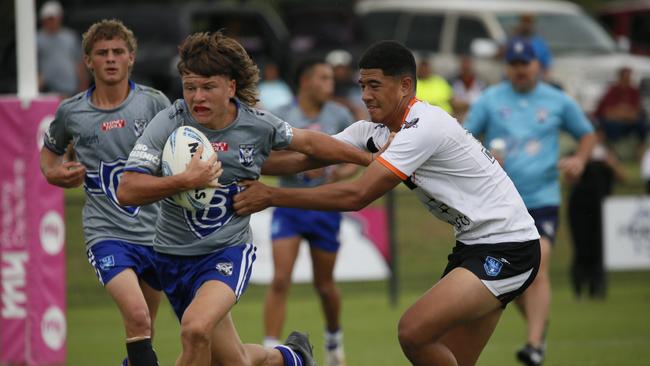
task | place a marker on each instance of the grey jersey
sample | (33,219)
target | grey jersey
(332,119)
(242,148)
(102,140)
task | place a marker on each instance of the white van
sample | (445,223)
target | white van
(585,58)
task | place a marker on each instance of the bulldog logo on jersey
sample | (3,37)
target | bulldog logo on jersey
(105,181)
(139,126)
(215,215)
(225,268)
(247,154)
(492,266)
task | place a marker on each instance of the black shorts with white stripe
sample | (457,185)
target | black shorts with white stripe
(506,269)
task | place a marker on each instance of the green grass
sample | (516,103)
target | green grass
(615,331)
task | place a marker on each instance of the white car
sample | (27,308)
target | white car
(585,58)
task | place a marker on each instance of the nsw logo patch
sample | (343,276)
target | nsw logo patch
(107,263)
(225,268)
(492,266)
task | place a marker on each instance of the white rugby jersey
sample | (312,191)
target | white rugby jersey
(452,174)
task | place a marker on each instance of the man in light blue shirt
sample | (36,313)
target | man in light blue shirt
(521,119)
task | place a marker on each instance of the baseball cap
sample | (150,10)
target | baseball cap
(338,57)
(50,9)
(520,49)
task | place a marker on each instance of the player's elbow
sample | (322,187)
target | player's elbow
(358,200)
(125,194)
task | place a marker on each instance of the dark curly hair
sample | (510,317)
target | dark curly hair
(210,54)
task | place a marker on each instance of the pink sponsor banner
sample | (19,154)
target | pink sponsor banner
(32,236)
(375,225)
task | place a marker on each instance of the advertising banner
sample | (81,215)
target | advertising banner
(32,237)
(626,222)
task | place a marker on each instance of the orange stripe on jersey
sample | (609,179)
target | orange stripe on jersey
(390,167)
(408,108)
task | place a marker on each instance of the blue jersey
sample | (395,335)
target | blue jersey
(530,124)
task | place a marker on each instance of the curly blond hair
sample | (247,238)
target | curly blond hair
(210,54)
(108,29)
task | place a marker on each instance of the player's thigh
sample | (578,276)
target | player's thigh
(210,305)
(458,298)
(466,341)
(285,252)
(152,297)
(125,290)
(545,248)
(323,263)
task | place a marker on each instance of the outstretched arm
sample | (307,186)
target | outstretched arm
(320,146)
(341,196)
(310,150)
(284,162)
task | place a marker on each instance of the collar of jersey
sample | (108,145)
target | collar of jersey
(408,108)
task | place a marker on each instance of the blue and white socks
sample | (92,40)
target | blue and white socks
(291,358)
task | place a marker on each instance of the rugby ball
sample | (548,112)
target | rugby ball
(179,149)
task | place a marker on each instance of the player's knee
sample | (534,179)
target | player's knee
(281,283)
(412,336)
(325,289)
(138,322)
(196,333)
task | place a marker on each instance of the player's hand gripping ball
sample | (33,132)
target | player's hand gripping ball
(179,149)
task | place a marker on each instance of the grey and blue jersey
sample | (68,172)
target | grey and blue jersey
(332,119)
(242,148)
(102,140)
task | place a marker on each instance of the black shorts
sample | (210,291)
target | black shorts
(546,221)
(506,269)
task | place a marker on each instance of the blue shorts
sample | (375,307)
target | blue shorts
(110,257)
(320,228)
(546,221)
(182,276)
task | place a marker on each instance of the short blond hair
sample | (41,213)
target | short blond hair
(108,29)
(212,54)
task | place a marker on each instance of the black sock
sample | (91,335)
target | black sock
(141,353)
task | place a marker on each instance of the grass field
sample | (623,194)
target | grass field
(615,331)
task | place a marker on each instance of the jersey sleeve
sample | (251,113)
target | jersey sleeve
(476,120)
(282,132)
(410,149)
(147,153)
(356,134)
(56,137)
(162,101)
(574,120)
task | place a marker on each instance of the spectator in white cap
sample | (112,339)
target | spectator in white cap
(60,65)
(346,89)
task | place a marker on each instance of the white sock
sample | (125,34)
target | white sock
(333,339)
(270,342)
